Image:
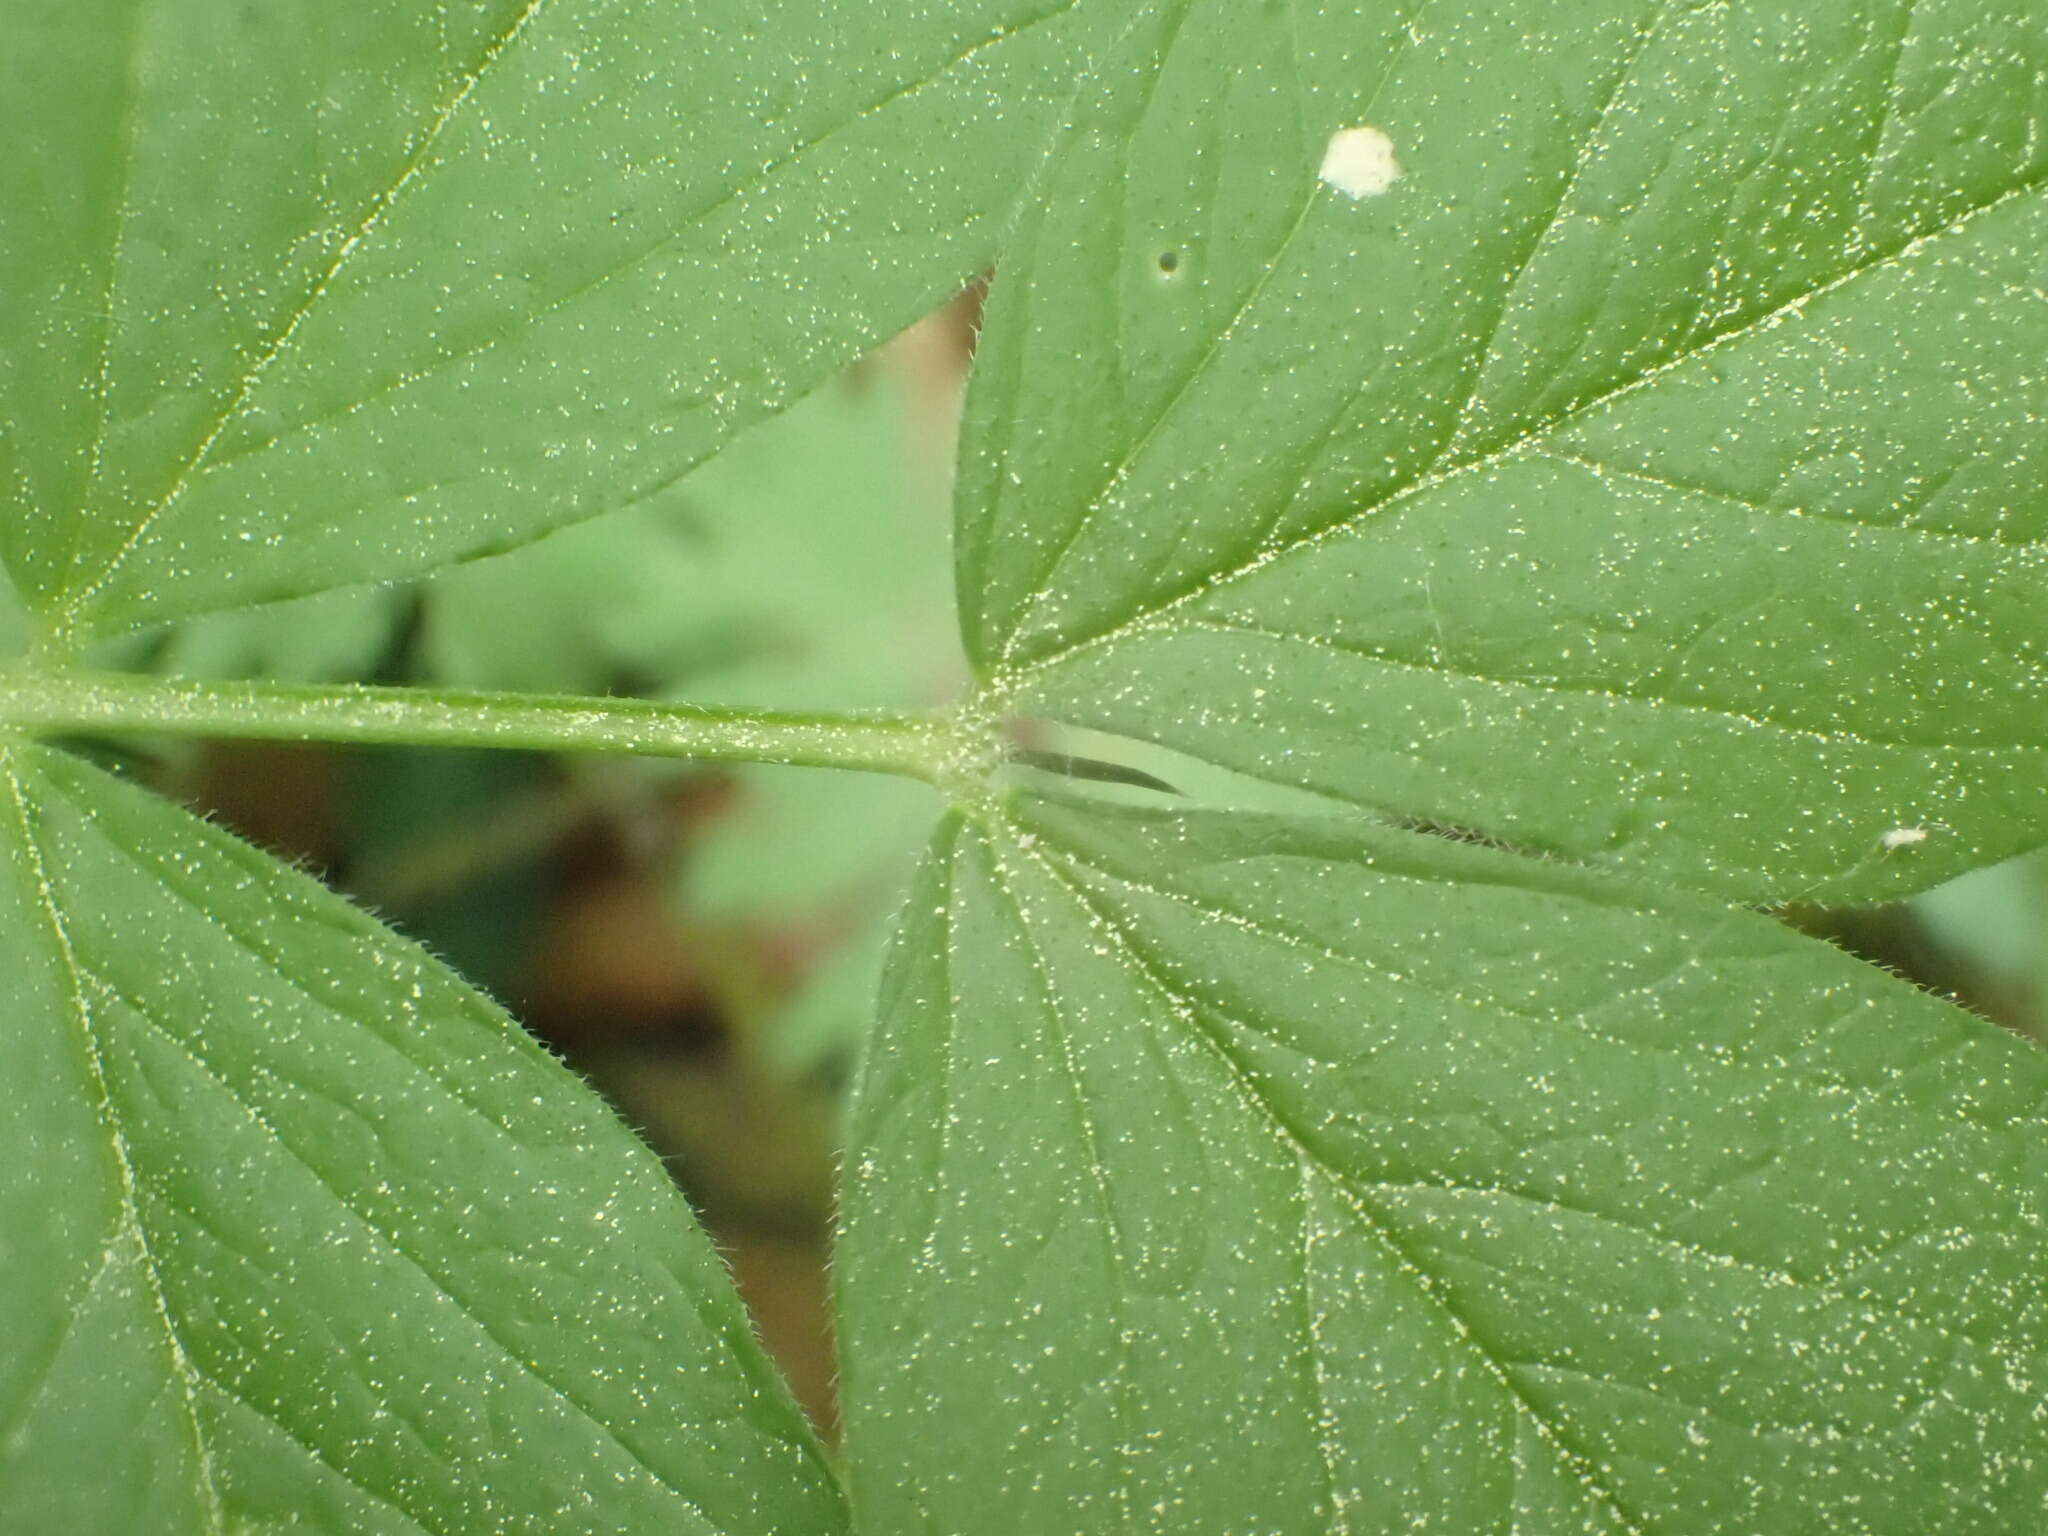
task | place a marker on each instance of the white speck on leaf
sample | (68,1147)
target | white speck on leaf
(1360,162)
(1902,837)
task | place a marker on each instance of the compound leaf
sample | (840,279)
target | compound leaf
(1221,1171)
(315,1236)
(1612,426)
(303,294)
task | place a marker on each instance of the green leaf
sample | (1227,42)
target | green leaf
(1219,1171)
(314,1236)
(1652,473)
(308,295)
(15,629)
(798,567)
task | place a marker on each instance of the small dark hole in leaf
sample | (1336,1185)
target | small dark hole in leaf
(1169,262)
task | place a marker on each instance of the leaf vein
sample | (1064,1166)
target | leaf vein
(1092,1152)
(2030,1132)
(1589,146)
(1262,1109)
(37,1380)
(128,115)
(1939,537)
(388,1242)
(182,1366)
(1610,697)
(1328,1446)
(1151,612)
(379,205)
(530,318)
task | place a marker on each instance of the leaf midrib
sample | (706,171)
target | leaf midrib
(1618,697)
(719,202)
(1091,1153)
(65,622)
(131,1226)
(72,617)
(1449,469)
(386,1240)
(127,117)
(1581,1467)
(1822,1285)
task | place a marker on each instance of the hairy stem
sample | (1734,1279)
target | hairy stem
(43,701)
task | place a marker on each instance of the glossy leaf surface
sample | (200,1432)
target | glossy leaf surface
(1234,1172)
(1652,473)
(316,1237)
(303,295)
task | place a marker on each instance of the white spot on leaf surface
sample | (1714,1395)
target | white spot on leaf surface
(1360,162)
